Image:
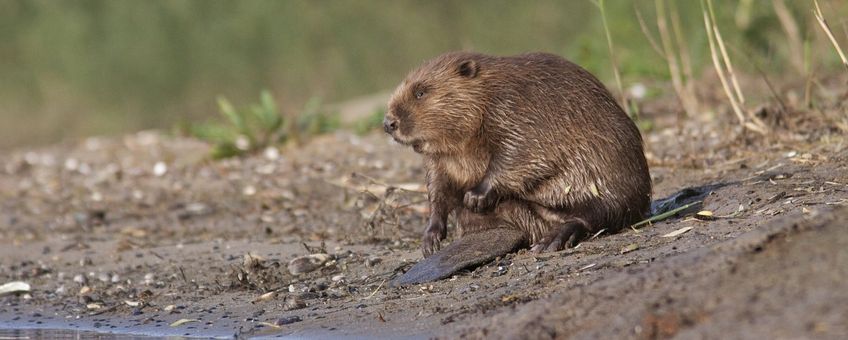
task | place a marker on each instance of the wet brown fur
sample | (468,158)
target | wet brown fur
(532,142)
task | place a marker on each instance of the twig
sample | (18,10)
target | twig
(376,290)
(182,273)
(820,18)
(763,75)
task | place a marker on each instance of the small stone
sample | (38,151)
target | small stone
(85,290)
(373,261)
(81,279)
(271,153)
(148,278)
(71,164)
(338,278)
(103,277)
(287,320)
(160,169)
(266,169)
(294,302)
(242,143)
(298,288)
(248,190)
(308,263)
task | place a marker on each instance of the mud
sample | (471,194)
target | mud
(112,241)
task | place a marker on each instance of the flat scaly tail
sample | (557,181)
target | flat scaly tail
(470,251)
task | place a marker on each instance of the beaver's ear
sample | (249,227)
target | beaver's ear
(468,68)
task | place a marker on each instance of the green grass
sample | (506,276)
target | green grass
(245,130)
(80,67)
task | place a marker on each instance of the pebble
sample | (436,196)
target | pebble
(287,320)
(298,288)
(81,279)
(373,261)
(160,169)
(271,153)
(294,302)
(307,263)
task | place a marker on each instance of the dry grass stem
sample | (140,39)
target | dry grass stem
(677,81)
(624,102)
(647,32)
(712,39)
(736,88)
(668,50)
(793,35)
(685,59)
(826,28)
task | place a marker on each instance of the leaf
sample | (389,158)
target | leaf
(212,133)
(228,111)
(181,322)
(268,111)
(268,324)
(630,247)
(705,215)
(678,232)
(225,150)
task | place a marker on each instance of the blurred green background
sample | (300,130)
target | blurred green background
(74,68)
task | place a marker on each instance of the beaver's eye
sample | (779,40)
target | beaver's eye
(419,94)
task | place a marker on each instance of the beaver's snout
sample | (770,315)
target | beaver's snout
(390,124)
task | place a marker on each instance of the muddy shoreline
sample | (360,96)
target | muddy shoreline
(141,233)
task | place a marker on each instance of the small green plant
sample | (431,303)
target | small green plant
(372,122)
(315,120)
(248,129)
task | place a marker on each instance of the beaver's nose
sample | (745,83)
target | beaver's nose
(390,125)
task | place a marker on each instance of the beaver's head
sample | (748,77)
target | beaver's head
(440,105)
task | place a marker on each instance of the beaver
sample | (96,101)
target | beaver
(528,150)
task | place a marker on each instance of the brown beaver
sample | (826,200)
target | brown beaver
(526,150)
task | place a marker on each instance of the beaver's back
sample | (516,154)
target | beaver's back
(556,117)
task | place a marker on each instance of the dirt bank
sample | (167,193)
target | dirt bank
(142,234)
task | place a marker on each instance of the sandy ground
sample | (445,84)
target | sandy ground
(143,235)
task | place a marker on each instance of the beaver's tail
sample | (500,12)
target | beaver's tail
(469,251)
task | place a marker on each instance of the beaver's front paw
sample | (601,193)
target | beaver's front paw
(480,199)
(433,235)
